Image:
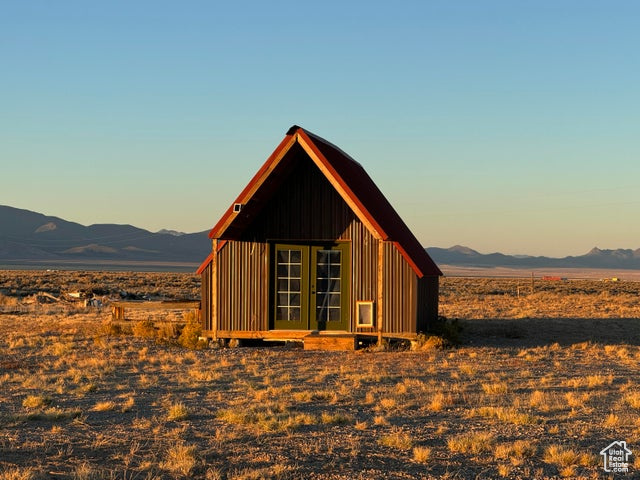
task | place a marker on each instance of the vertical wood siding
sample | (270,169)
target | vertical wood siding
(400,292)
(364,274)
(427,302)
(243,276)
(305,207)
(205,298)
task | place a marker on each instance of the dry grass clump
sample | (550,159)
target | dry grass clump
(566,459)
(275,472)
(611,421)
(495,388)
(61,349)
(599,380)
(576,399)
(516,452)
(546,402)
(473,442)
(429,342)
(36,401)
(539,399)
(266,419)
(53,414)
(585,382)
(439,401)
(109,328)
(503,414)
(361,425)
(85,471)
(466,370)
(186,334)
(191,332)
(504,470)
(128,404)
(397,439)
(387,403)
(380,420)
(337,418)
(144,329)
(20,473)
(201,375)
(106,406)
(422,454)
(177,412)
(180,459)
(633,399)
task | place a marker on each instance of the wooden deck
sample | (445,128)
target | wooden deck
(118,308)
(297,334)
(313,340)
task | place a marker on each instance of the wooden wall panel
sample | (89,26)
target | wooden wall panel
(305,207)
(400,292)
(243,277)
(428,292)
(364,275)
(205,298)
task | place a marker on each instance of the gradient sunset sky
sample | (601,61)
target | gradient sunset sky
(501,125)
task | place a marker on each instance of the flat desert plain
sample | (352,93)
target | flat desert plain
(542,380)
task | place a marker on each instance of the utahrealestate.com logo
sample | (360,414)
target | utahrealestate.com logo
(616,457)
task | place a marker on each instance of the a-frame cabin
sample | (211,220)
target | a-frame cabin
(312,245)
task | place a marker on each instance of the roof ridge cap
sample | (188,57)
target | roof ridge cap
(294,129)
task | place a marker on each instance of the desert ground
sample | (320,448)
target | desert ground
(533,382)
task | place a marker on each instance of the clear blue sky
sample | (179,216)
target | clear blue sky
(501,125)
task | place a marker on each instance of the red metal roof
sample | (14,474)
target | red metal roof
(350,180)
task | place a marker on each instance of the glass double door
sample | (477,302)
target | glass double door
(311,287)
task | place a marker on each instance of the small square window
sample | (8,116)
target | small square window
(364,312)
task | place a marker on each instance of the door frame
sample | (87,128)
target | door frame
(308,320)
(303,322)
(314,322)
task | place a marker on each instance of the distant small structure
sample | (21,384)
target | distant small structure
(93,302)
(311,246)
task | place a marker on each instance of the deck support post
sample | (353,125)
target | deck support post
(214,290)
(117,312)
(380,287)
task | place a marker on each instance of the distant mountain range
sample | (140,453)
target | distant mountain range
(596,258)
(30,238)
